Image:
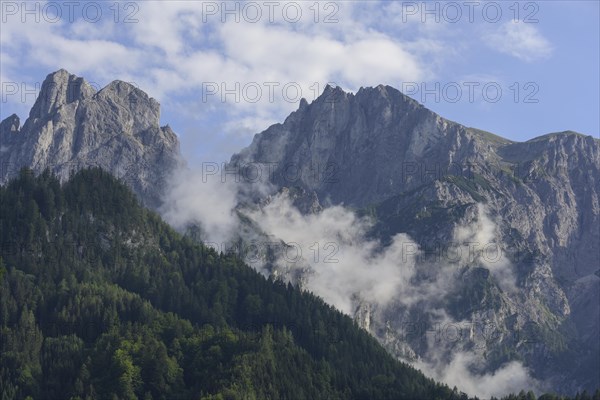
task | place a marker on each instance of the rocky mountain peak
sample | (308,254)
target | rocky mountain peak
(342,140)
(58,89)
(71,126)
(331,88)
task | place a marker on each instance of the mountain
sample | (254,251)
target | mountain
(72,126)
(101,299)
(389,158)
(418,179)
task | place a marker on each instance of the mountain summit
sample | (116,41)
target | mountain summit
(72,126)
(414,172)
(379,142)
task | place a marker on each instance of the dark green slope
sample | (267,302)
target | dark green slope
(101,299)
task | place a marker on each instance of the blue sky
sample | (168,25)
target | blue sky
(454,57)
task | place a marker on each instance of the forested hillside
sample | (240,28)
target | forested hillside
(99,299)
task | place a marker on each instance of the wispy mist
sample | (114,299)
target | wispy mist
(331,254)
(197,197)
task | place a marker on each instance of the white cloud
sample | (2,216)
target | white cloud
(521,40)
(344,265)
(482,236)
(165,26)
(202,197)
(100,56)
(510,378)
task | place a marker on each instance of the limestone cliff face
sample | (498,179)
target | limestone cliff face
(360,149)
(380,151)
(71,126)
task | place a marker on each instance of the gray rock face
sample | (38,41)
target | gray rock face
(71,126)
(424,175)
(360,149)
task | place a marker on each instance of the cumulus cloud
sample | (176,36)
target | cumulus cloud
(521,40)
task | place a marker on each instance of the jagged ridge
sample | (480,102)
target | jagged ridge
(71,126)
